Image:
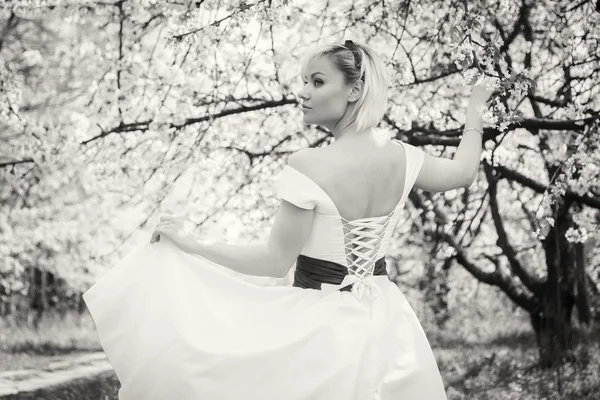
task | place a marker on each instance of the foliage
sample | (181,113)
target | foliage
(112,111)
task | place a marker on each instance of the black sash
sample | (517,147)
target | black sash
(311,272)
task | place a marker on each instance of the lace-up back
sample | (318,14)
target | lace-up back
(357,243)
(363,240)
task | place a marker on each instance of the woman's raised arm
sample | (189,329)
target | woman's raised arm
(440,174)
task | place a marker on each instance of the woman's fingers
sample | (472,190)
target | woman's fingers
(155,237)
(166,222)
(169,217)
(160,228)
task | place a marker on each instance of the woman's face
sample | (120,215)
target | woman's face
(324,95)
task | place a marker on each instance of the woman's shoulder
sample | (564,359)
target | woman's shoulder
(331,158)
(313,163)
(301,159)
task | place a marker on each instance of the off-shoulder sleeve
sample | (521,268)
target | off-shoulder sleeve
(296,188)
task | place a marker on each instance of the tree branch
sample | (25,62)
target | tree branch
(11,23)
(528,280)
(143,125)
(10,163)
(495,278)
(516,28)
(541,188)
(553,103)
(421,135)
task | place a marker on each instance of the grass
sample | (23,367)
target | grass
(497,359)
(55,335)
(22,346)
(479,358)
(508,368)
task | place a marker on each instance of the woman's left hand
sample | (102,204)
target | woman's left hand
(177,230)
(483,88)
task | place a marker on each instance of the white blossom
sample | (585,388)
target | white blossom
(576,235)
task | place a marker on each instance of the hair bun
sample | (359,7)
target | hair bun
(349,44)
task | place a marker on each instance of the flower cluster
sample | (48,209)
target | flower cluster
(579,235)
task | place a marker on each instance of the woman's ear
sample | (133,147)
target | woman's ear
(356,91)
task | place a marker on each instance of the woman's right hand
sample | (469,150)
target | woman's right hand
(483,89)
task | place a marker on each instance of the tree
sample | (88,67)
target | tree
(126,98)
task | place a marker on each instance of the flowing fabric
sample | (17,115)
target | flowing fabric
(176,326)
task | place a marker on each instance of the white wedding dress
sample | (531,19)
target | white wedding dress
(176,327)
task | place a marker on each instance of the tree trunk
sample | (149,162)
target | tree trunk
(565,288)
(44,291)
(553,327)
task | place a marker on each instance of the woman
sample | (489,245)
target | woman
(176,326)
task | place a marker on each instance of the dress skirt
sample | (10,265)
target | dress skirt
(176,326)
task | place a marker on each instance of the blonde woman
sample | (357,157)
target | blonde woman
(174,326)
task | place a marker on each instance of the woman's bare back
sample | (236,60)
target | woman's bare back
(362,180)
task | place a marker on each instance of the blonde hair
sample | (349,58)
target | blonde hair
(371,106)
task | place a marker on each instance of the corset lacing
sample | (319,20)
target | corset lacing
(362,241)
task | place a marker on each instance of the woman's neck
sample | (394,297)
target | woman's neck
(352,134)
(367,137)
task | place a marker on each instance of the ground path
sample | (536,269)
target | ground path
(68,370)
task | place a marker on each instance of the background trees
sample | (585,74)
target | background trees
(107,106)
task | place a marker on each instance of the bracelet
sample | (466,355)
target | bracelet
(474,129)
